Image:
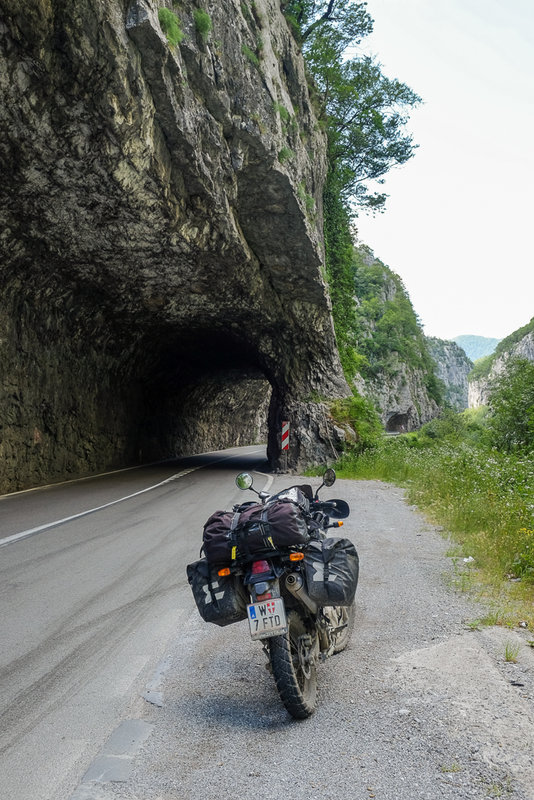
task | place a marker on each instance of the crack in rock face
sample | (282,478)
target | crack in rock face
(160,262)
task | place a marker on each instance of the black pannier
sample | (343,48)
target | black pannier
(239,536)
(331,569)
(219,599)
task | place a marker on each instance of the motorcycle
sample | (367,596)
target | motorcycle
(282,572)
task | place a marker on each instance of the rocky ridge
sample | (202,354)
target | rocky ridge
(452,368)
(514,346)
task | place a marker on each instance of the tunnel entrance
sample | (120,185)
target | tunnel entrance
(205,392)
(398,423)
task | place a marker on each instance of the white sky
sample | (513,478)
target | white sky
(458,226)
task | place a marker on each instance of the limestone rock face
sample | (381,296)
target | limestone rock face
(401,396)
(399,374)
(453,367)
(479,389)
(160,236)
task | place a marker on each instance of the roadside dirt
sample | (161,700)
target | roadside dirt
(419,706)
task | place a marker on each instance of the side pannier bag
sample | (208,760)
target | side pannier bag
(331,568)
(220,599)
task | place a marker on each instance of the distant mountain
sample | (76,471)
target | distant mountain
(476,346)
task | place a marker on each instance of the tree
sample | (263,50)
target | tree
(511,403)
(365,112)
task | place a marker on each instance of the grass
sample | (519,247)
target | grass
(511,651)
(483,498)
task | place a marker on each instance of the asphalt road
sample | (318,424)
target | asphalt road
(88,607)
(112,687)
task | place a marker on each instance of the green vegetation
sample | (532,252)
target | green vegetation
(476,484)
(511,423)
(364,115)
(365,112)
(511,651)
(282,111)
(285,154)
(170,25)
(359,419)
(386,324)
(251,55)
(203,23)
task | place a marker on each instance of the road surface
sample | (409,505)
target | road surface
(112,687)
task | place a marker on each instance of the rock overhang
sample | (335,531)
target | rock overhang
(148,210)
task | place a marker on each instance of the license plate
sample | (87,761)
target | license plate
(267,618)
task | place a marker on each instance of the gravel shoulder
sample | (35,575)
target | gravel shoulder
(419,705)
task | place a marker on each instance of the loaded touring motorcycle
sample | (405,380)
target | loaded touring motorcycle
(272,562)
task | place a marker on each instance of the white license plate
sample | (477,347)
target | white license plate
(267,618)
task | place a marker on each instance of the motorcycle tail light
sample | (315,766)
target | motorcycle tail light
(224,571)
(258,567)
(296,556)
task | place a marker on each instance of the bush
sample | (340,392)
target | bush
(285,154)
(203,23)
(170,25)
(511,403)
(358,414)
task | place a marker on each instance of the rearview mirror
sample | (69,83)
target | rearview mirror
(329,478)
(244,480)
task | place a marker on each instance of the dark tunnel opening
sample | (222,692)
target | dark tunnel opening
(210,396)
(397,423)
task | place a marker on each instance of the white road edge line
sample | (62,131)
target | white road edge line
(23,534)
(270,479)
(31,531)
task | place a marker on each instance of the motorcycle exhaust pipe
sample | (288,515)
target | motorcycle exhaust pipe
(295,585)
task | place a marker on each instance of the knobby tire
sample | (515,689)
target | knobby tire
(297,690)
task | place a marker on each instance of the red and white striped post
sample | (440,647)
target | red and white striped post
(285,444)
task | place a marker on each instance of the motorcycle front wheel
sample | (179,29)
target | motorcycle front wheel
(345,616)
(292,659)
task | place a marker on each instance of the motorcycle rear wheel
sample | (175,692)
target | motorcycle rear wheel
(294,674)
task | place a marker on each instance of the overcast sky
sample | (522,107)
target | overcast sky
(459,223)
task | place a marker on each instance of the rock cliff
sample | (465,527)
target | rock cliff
(161,255)
(519,344)
(396,372)
(453,367)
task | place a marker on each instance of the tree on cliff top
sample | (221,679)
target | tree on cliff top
(365,112)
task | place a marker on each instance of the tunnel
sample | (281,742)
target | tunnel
(398,423)
(162,270)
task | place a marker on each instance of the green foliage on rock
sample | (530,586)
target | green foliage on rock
(170,25)
(386,324)
(358,418)
(285,154)
(251,55)
(339,250)
(203,23)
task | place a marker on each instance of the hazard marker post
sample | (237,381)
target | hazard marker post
(285,444)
